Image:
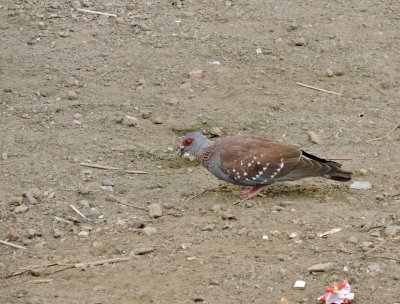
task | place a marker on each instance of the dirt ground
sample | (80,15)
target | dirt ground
(69,78)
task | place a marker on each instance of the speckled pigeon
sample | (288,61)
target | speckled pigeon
(249,160)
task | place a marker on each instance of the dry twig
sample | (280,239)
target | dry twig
(116,199)
(60,219)
(135,172)
(105,167)
(98,166)
(317,89)
(80,213)
(69,266)
(82,10)
(220,187)
(383,137)
(12,245)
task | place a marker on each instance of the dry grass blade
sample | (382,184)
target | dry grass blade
(12,245)
(317,89)
(386,136)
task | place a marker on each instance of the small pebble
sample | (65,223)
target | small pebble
(216,208)
(72,95)
(146,114)
(299,41)
(83,234)
(129,121)
(4,156)
(31,233)
(199,74)
(33,300)
(76,4)
(149,230)
(108,183)
(299,284)
(391,231)
(215,131)
(172,101)
(197,298)
(375,267)
(265,237)
(366,246)
(314,137)
(322,267)
(352,240)
(361,185)
(57,233)
(155,210)
(21,209)
(285,204)
(142,251)
(12,236)
(77,116)
(16,201)
(157,120)
(329,72)
(207,227)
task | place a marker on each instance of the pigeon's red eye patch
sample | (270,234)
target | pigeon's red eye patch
(187,141)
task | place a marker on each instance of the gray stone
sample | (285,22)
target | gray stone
(130,121)
(15,201)
(77,116)
(155,210)
(149,230)
(361,185)
(215,131)
(314,137)
(72,95)
(31,233)
(108,183)
(391,231)
(21,209)
(33,300)
(375,267)
(352,240)
(300,41)
(207,227)
(366,246)
(146,114)
(285,204)
(322,267)
(158,120)
(142,251)
(76,4)
(216,208)
(83,234)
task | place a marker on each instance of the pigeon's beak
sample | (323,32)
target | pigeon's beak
(181,151)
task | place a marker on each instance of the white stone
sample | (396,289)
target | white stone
(361,185)
(299,284)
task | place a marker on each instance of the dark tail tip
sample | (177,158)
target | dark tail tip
(335,172)
(340,176)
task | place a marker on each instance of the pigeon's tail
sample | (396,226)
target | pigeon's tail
(334,172)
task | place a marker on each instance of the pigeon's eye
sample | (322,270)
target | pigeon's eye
(188,141)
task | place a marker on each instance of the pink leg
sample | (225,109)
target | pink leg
(255,191)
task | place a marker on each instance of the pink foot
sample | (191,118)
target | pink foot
(255,191)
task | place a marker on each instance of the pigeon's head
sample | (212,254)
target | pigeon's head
(192,143)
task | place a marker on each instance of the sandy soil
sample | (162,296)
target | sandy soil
(67,81)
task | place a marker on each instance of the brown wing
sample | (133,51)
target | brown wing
(251,160)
